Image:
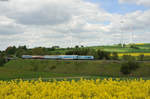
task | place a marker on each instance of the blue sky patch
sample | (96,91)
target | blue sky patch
(113,6)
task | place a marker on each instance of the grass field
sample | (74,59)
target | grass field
(28,69)
(143,48)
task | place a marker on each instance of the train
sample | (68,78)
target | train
(59,57)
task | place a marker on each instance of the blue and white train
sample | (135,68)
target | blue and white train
(59,57)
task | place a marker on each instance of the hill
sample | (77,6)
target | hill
(141,47)
(67,68)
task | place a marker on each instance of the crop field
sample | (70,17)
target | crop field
(143,48)
(82,89)
(134,54)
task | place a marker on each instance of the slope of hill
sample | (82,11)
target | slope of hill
(28,69)
(142,47)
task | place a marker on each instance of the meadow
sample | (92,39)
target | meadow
(28,69)
(142,48)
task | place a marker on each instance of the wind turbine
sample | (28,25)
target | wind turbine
(121,37)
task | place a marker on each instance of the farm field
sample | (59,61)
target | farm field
(81,89)
(134,54)
(75,79)
(142,48)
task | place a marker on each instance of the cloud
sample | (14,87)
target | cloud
(9,27)
(51,12)
(37,12)
(138,2)
(67,23)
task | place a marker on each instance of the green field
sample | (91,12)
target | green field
(28,69)
(145,48)
(117,48)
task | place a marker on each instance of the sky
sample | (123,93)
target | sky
(67,23)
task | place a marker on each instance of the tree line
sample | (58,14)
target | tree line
(17,52)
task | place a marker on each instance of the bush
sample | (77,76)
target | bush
(79,51)
(129,66)
(134,47)
(103,55)
(2,61)
(125,69)
(53,67)
(115,56)
(141,57)
(127,57)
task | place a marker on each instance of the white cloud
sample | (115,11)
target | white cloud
(67,23)
(138,2)
(9,27)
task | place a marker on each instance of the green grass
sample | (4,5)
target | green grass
(65,66)
(28,69)
(115,48)
(111,48)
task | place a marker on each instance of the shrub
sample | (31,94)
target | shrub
(129,66)
(53,67)
(2,61)
(115,56)
(127,57)
(134,47)
(125,69)
(141,57)
(103,55)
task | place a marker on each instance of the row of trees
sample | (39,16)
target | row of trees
(23,50)
(98,54)
(13,51)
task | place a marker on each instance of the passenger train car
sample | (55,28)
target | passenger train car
(59,57)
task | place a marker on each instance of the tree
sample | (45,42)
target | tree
(78,51)
(38,51)
(127,57)
(10,50)
(107,55)
(115,56)
(22,47)
(129,66)
(133,46)
(82,46)
(76,46)
(141,57)
(2,61)
(20,52)
(100,54)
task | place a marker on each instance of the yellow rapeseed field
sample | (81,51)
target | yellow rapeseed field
(134,54)
(140,44)
(82,89)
